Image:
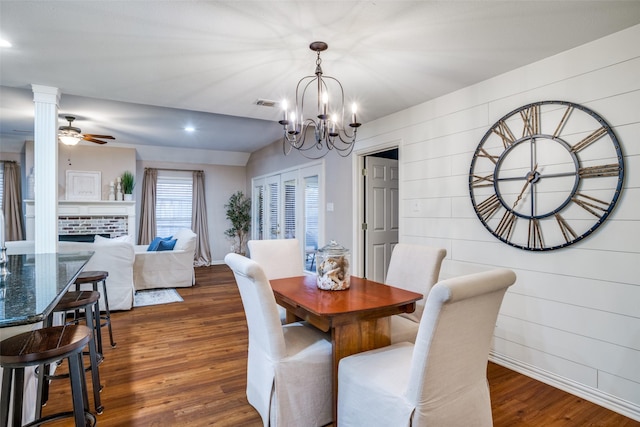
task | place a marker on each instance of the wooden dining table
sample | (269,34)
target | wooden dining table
(357,317)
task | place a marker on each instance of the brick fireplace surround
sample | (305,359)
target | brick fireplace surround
(113,226)
(84,218)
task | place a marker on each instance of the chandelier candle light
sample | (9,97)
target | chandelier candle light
(329,130)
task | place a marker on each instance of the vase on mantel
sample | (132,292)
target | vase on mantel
(128,197)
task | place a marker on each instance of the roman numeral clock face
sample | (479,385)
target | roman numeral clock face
(546,175)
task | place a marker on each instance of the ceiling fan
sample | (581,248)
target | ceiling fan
(71,135)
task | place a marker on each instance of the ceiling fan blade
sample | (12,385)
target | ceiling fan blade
(90,135)
(97,141)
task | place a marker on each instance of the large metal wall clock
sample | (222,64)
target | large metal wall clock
(546,175)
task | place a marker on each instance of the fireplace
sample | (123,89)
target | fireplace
(80,237)
(105,218)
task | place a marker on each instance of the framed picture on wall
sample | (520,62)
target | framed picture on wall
(84,185)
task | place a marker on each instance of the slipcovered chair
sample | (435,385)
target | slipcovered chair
(166,269)
(278,258)
(414,268)
(289,370)
(441,379)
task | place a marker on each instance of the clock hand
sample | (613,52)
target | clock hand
(530,176)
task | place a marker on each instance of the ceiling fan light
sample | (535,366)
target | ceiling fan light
(69,140)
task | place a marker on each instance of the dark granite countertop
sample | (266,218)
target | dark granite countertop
(35,285)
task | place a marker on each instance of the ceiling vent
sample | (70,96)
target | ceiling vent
(266,103)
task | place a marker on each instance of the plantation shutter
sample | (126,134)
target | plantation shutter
(290,209)
(274,227)
(174,194)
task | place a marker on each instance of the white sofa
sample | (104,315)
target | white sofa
(114,256)
(166,269)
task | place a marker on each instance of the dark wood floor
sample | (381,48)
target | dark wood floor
(184,364)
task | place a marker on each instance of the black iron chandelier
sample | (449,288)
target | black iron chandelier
(329,130)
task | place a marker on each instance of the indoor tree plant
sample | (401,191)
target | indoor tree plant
(239,213)
(127,180)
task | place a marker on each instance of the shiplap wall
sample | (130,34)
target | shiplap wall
(573,317)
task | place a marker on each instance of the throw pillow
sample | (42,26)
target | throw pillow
(153,246)
(166,245)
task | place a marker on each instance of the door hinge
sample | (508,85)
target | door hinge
(364,225)
(364,171)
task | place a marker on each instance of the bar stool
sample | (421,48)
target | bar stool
(75,301)
(39,347)
(95,277)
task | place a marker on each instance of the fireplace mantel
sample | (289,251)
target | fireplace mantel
(103,208)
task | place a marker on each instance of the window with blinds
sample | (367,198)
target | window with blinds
(174,194)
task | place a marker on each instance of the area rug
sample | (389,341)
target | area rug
(155,297)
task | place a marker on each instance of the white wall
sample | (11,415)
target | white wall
(573,317)
(109,160)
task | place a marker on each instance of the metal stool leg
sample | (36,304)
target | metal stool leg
(93,356)
(98,327)
(7,376)
(78,394)
(94,277)
(17,375)
(107,315)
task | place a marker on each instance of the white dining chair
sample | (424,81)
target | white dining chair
(289,368)
(441,379)
(414,268)
(278,258)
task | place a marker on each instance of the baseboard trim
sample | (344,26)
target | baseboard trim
(598,397)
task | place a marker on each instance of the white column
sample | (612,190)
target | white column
(45,165)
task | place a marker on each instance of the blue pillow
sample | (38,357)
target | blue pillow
(167,245)
(153,246)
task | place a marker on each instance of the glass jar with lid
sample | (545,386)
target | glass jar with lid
(333,266)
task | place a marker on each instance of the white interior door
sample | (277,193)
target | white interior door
(381,215)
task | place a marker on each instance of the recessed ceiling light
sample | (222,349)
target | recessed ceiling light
(5,43)
(189,129)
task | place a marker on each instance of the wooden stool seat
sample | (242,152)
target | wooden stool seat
(40,347)
(76,300)
(91,276)
(43,345)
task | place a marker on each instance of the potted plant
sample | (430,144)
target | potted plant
(239,213)
(128,182)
